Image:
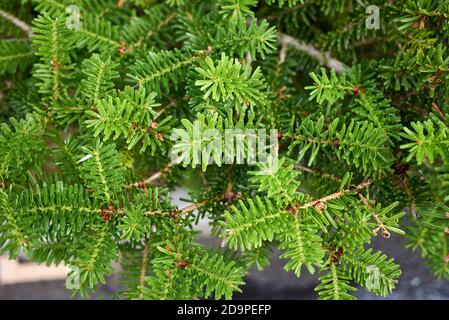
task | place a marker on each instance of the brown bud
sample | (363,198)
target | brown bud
(336,143)
(320,207)
(122,49)
(357,90)
(141,185)
(291,210)
(55,64)
(105,214)
(174,214)
(153,125)
(159,136)
(337,254)
(181,264)
(400,168)
(229,196)
(422,23)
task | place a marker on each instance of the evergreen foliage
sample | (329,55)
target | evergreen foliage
(93,107)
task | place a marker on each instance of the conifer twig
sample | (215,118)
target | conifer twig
(317,172)
(187,209)
(203,180)
(143,267)
(198,205)
(385,232)
(360,186)
(16,21)
(155,176)
(411,201)
(323,58)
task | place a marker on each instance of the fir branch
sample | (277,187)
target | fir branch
(157,175)
(74,137)
(14,55)
(374,269)
(336,195)
(324,59)
(159,69)
(102,171)
(317,172)
(95,256)
(198,205)
(385,232)
(334,285)
(195,206)
(13,233)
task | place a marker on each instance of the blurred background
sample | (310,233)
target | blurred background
(22,279)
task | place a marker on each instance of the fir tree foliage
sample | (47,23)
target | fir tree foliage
(91,114)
